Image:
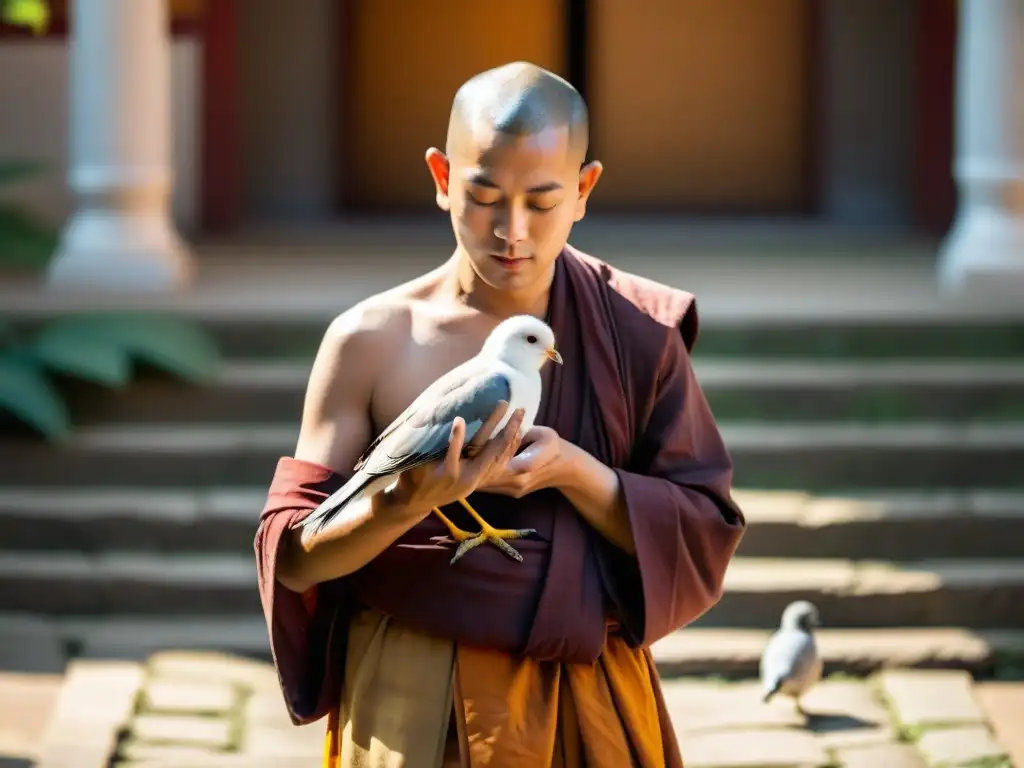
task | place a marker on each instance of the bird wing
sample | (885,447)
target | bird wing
(421,433)
(788,656)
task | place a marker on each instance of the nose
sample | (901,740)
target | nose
(511,224)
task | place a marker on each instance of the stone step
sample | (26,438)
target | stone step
(243,331)
(968,593)
(830,456)
(748,389)
(300,337)
(873,593)
(66,583)
(811,457)
(894,525)
(891,526)
(96,519)
(736,653)
(864,391)
(690,651)
(243,391)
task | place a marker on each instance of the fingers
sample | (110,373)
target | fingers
(455,443)
(513,441)
(483,434)
(504,446)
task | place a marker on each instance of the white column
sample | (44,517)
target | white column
(121,236)
(984,251)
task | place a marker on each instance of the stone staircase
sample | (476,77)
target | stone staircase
(881,468)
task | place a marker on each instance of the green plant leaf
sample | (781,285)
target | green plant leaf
(76,350)
(175,345)
(34,14)
(16,170)
(7,333)
(31,397)
(23,241)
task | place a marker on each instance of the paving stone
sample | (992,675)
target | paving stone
(298,741)
(226,760)
(881,756)
(702,706)
(186,730)
(760,748)
(1003,704)
(214,667)
(96,701)
(141,752)
(26,702)
(932,697)
(191,696)
(845,713)
(955,747)
(266,710)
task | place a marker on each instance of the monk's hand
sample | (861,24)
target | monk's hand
(542,463)
(457,475)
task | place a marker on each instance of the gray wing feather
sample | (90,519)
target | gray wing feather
(422,436)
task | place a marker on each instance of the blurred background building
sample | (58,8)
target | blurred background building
(837,111)
(830,111)
(834,112)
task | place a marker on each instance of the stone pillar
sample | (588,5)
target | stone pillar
(121,236)
(984,251)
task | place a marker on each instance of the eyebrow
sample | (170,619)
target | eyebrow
(481,180)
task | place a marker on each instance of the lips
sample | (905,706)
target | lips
(513,263)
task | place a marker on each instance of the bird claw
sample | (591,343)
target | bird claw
(495,536)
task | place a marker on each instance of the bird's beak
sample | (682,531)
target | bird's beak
(552,354)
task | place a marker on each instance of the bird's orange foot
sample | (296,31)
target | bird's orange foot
(488,533)
(496,536)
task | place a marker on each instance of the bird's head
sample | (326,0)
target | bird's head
(524,342)
(801,615)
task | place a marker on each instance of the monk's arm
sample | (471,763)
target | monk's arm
(677,496)
(595,491)
(335,430)
(364,530)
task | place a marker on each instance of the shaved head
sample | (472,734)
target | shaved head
(512,176)
(518,99)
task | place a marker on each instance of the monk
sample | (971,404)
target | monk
(625,479)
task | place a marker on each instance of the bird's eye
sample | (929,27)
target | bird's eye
(531,339)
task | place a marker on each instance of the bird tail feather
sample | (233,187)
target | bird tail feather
(772,691)
(318,519)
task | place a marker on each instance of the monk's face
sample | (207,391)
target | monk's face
(513,201)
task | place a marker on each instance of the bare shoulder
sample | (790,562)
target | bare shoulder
(357,345)
(376,323)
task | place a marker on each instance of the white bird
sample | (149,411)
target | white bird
(506,368)
(791,664)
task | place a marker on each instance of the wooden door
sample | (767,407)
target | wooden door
(405,61)
(700,105)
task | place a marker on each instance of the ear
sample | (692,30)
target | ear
(589,175)
(439,167)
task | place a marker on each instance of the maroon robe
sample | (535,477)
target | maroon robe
(626,394)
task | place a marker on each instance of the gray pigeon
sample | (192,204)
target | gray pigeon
(506,368)
(791,664)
